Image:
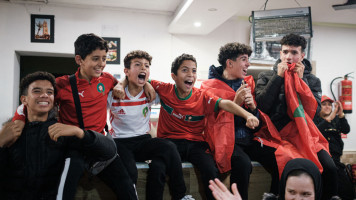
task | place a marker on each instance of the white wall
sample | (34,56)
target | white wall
(150,32)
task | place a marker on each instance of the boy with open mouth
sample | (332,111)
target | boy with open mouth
(130,121)
(182,116)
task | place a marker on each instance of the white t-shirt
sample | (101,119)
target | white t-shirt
(130,117)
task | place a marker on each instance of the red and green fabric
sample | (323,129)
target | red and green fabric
(300,137)
(220,128)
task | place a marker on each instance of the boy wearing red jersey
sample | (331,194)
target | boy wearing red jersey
(93,87)
(183,108)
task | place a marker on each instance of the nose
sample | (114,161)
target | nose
(102,63)
(44,94)
(289,55)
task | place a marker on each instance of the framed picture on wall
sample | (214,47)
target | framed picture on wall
(113,56)
(42,28)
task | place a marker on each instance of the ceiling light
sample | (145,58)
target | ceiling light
(197,24)
(212,9)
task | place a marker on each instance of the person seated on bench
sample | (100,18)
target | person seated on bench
(32,158)
(130,122)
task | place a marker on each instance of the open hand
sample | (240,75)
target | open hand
(220,192)
(58,129)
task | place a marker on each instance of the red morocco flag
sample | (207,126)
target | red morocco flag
(300,137)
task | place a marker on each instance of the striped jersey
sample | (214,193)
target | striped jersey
(129,117)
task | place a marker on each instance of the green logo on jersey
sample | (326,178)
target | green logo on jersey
(145,111)
(101,88)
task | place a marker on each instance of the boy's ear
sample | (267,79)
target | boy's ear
(303,54)
(126,71)
(23,100)
(78,59)
(227,63)
(174,77)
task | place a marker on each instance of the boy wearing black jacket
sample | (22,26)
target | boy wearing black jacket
(31,161)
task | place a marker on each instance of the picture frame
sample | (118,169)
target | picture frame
(42,28)
(113,56)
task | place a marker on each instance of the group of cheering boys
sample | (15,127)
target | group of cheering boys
(213,127)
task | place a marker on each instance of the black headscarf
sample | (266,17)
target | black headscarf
(305,165)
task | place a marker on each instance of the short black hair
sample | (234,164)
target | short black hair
(87,43)
(232,51)
(136,54)
(294,40)
(179,60)
(30,78)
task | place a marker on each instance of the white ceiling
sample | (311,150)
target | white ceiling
(186,12)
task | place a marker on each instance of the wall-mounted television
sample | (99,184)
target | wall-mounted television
(272,25)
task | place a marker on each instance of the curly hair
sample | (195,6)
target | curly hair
(87,43)
(179,60)
(232,51)
(136,54)
(294,40)
(30,78)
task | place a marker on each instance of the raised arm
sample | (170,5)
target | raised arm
(344,126)
(229,106)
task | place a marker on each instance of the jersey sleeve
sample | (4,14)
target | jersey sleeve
(20,113)
(211,102)
(158,85)
(112,78)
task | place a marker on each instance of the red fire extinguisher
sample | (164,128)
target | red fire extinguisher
(345,92)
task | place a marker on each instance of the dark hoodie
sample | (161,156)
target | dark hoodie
(270,95)
(243,135)
(31,168)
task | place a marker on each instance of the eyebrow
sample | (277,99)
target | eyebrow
(39,88)
(243,57)
(141,62)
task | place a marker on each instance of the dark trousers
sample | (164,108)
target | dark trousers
(196,153)
(114,175)
(241,167)
(329,175)
(164,160)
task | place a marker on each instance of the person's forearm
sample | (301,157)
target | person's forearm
(233,108)
(344,125)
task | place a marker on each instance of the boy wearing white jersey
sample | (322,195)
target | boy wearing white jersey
(130,122)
